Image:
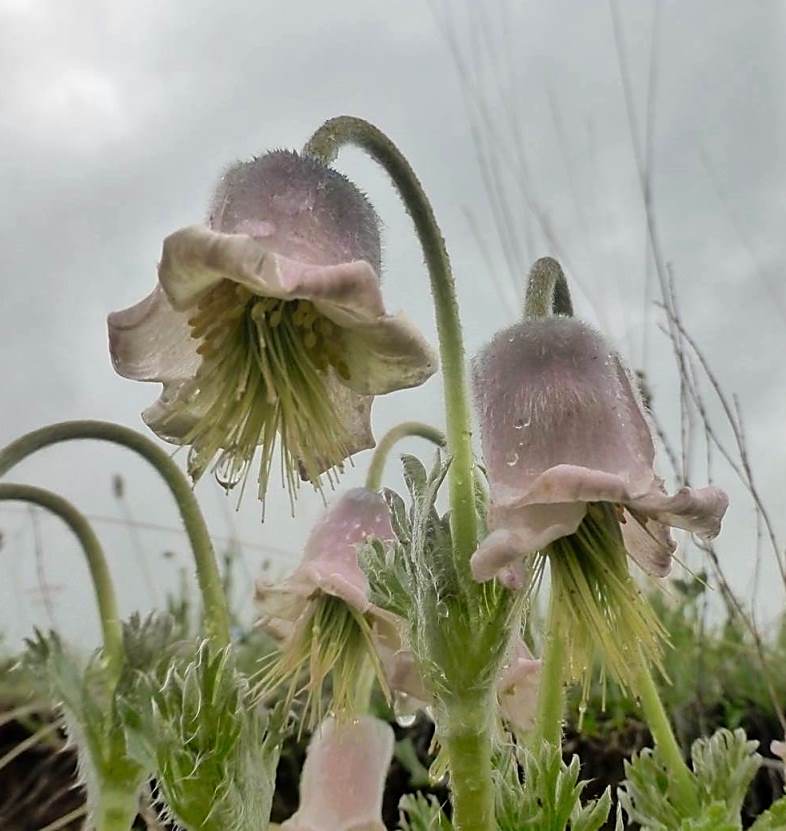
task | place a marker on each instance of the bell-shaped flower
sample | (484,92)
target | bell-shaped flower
(343,779)
(269,322)
(562,427)
(321,612)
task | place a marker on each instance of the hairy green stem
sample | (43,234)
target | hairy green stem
(215,604)
(386,443)
(324,145)
(551,693)
(660,727)
(116,810)
(467,743)
(547,290)
(96,562)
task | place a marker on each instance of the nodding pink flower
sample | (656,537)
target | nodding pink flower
(269,322)
(321,613)
(343,779)
(562,427)
(330,560)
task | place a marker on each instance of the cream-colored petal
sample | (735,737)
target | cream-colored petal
(353,412)
(383,352)
(172,416)
(152,342)
(195,259)
(648,542)
(343,779)
(387,354)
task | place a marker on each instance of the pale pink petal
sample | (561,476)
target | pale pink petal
(562,426)
(698,510)
(330,560)
(778,748)
(398,662)
(521,531)
(343,779)
(152,342)
(173,415)
(383,352)
(518,686)
(648,542)
(552,392)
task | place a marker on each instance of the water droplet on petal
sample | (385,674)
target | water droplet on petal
(512,459)
(405,709)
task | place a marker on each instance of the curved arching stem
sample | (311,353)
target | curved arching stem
(547,290)
(387,442)
(96,562)
(215,604)
(325,145)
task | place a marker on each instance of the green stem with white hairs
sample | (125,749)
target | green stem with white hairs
(660,727)
(325,145)
(116,810)
(468,738)
(386,443)
(216,612)
(96,562)
(547,291)
(551,692)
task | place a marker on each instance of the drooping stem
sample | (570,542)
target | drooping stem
(325,145)
(547,290)
(394,435)
(96,563)
(466,741)
(660,727)
(551,694)
(215,605)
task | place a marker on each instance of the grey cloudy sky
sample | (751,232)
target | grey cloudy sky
(117,118)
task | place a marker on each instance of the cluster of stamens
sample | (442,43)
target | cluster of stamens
(263,375)
(604,613)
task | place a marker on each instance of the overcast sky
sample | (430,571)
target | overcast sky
(117,118)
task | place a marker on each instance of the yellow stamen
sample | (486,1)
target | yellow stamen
(262,378)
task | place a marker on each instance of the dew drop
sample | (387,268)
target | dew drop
(405,709)
(442,609)
(512,459)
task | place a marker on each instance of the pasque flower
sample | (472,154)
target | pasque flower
(562,428)
(570,462)
(343,779)
(269,322)
(321,612)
